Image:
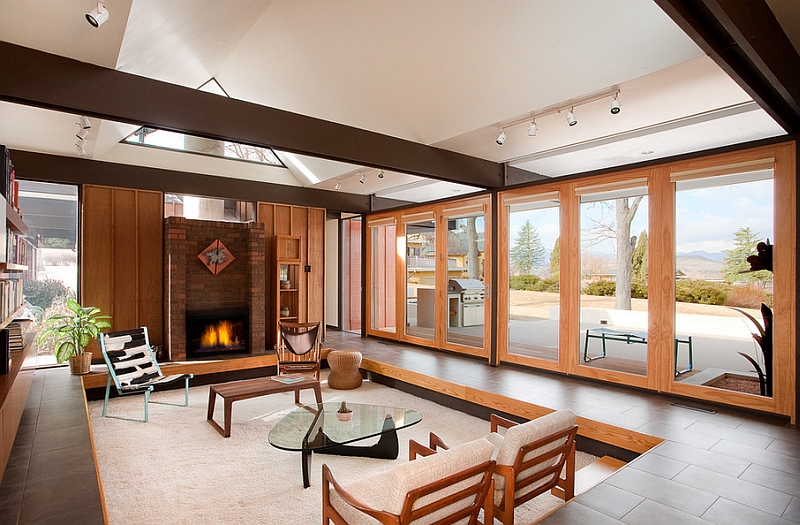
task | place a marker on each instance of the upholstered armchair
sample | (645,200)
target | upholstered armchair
(448,487)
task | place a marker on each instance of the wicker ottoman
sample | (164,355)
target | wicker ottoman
(344,369)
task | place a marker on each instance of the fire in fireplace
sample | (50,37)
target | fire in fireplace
(215,333)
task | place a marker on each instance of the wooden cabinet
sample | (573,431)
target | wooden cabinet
(288,303)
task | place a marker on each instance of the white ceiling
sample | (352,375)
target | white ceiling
(449,73)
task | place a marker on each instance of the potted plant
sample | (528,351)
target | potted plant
(344,413)
(73,331)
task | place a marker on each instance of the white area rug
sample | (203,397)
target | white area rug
(178,469)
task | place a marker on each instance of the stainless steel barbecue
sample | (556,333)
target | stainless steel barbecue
(470,295)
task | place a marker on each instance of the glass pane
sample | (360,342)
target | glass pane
(613,321)
(533,269)
(465,274)
(382,298)
(351,262)
(421,279)
(716,290)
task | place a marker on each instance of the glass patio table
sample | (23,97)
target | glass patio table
(316,428)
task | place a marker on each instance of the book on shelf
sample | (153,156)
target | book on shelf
(289,378)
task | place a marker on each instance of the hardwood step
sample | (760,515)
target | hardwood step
(595,472)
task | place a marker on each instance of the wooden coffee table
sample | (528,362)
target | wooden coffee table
(245,389)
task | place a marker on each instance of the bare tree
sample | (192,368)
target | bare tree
(473,267)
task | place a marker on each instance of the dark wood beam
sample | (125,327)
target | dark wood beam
(35,78)
(72,170)
(745,39)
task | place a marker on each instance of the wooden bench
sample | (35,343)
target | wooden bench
(261,386)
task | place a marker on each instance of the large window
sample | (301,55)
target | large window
(465,278)
(534,239)
(421,278)
(383,242)
(718,296)
(613,302)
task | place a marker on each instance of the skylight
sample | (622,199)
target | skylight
(159,138)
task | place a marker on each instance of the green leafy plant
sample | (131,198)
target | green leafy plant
(764,340)
(74,330)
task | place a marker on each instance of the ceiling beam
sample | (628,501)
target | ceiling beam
(74,170)
(747,42)
(40,79)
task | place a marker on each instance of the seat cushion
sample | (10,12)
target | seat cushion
(371,490)
(520,435)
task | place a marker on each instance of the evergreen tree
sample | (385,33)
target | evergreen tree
(639,267)
(528,250)
(555,259)
(744,244)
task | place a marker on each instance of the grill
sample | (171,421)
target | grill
(469,296)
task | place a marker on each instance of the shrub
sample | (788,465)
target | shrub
(701,292)
(547,285)
(42,293)
(639,290)
(747,297)
(604,288)
(524,282)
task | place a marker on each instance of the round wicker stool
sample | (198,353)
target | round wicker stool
(344,369)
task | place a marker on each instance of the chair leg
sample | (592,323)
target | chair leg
(146,403)
(186,396)
(108,390)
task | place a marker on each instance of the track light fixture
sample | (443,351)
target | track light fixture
(501,138)
(81,134)
(79,146)
(615,105)
(532,128)
(338,185)
(571,120)
(362,178)
(380,174)
(85,123)
(97,16)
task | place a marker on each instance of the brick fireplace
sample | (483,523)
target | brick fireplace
(192,287)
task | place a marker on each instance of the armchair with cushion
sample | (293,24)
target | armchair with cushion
(133,368)
(299,350)
(531,458)
(444,488)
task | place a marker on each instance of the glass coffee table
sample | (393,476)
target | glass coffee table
(316,428)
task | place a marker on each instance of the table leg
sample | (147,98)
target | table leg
(387,446)
(212,399)
(306,459)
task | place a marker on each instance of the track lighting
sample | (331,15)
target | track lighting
(532,128)
(501,138)
(79,146)
(85,123)
(338,185)
(362,178)
(614,105)
(97,16)
(571,120)
(81,134)
(380,174)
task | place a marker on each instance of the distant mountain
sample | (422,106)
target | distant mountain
(700,265)
(714,256)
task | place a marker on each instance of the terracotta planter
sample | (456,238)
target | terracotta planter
(80,364)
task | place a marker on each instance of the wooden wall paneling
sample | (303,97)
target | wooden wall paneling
(316,259)
(125,257)
(97,242)
(299,226)
(150,240)
(282,220)
(661,280)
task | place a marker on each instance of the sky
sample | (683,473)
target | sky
(706,219)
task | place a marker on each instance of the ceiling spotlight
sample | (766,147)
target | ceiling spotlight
(338,185)
(571,118)
(380,174)
(362,178)
(614,105)
(85,123)
(532,128)
(501,138)
(81,134)
(97,16)
(79,147)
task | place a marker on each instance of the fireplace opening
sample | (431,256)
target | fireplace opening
(216,333)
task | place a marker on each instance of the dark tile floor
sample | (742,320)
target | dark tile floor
(718,465)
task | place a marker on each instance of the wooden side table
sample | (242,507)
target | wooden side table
(344,369)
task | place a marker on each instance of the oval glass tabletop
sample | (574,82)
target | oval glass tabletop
(316,427)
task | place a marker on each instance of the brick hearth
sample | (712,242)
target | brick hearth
(191,286)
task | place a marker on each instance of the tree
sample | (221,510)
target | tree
(555,259)
(736,266)
(639,259)
(626,211)
(473,266)
(528,250)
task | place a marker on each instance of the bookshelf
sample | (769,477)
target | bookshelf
(287,279)
(17,250)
